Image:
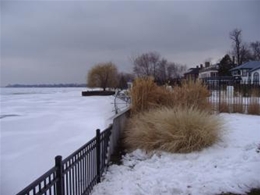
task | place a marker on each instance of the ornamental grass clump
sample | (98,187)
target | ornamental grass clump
(146,95)
(191,94)
(176,130)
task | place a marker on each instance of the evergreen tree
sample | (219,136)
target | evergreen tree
(225,65)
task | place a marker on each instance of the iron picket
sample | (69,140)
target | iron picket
(77,174)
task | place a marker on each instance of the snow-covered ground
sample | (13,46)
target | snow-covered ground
(39,123)
(232,165)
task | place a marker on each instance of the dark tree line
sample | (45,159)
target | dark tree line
(106,75)
(151,64)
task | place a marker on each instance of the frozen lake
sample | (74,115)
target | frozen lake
(39,123)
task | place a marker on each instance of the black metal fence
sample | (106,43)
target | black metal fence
(234,96)
(82,170)
(78,173)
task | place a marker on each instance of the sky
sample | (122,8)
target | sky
(46,42)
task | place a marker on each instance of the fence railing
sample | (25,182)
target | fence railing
(82,170)
(121,101)
(78,173)
(234,97)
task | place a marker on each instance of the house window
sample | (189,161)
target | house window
(256,77)
(244,73)
(236,73)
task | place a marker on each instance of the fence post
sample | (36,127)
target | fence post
(219,94)
(98,155)
(59,174)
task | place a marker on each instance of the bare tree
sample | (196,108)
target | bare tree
(162,71)
(151,64)
(103,75)
(146,64)
(245,53)
(255,48)
(175,70)
(236,37)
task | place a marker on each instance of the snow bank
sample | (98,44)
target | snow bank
(232,165)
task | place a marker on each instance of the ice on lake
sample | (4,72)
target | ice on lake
(39,123)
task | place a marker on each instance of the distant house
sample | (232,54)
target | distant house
(206,72)
(209,71)
(248,73)
(192,73)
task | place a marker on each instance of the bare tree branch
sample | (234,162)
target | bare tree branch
(236,37)
(255,47)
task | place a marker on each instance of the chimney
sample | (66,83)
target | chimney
(207,64)
(201,65)
(197,66)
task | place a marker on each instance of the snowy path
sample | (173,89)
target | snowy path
(232,165)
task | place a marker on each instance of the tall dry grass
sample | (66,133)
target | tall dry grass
(223,106)
(238,108)
(254,106)
(147,95)
(191,94)
(177,130)
(238,105)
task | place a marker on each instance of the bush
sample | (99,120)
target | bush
(147,95)
(193,94)
(180,130)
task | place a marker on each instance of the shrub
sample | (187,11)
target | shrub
(193,94)
(178,129)
(147,95)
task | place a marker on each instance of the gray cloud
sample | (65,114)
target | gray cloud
(55,41)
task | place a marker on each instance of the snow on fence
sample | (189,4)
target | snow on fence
(82,170)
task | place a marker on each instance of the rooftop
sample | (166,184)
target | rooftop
(248,65)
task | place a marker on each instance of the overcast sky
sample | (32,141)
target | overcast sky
(59,41)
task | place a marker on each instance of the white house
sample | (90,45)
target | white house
(248,72)
(209,71)
(255,75)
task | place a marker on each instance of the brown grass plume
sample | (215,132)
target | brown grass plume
(147,95)
(177,129)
